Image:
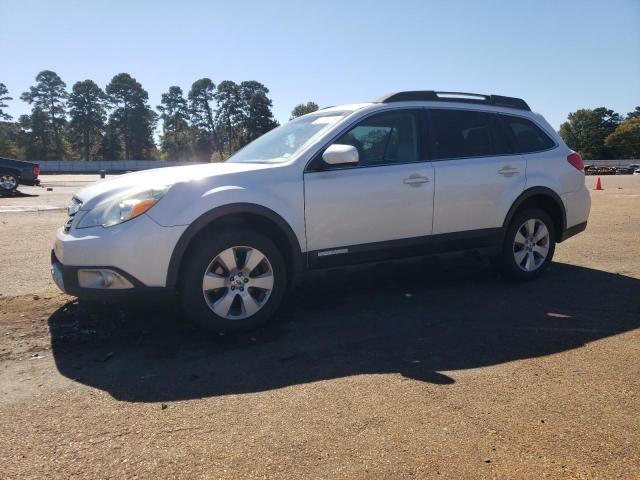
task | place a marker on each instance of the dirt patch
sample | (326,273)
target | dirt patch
(447,372)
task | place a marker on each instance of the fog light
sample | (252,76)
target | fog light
(102,278)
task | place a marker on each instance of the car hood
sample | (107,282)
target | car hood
(93,194)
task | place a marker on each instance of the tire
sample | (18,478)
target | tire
(8,182)
(243,287)
(529,256)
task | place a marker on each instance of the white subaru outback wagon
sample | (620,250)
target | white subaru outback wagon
(413,173)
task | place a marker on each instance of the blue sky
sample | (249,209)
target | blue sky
(557,55)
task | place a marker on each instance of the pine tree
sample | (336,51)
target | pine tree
(303,109)
(87,109)
(201,96)
(132,118)
(48,95)
(35,139)
(175,127)
(256,115)
(227,97)
(111,145)
(4,97)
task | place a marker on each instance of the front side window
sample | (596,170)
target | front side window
(281,144)
(528,136)
(383,139)
(462,133)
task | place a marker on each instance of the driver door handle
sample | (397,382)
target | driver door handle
(416,180)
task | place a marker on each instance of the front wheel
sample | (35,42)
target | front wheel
(233,280)
(529,245)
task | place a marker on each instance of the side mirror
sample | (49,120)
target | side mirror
(338,154)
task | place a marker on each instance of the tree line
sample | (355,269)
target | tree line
(602,134)
(89,123)
(208,124)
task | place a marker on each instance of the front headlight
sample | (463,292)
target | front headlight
(123,207)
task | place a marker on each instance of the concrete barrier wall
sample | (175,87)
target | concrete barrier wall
(80,166)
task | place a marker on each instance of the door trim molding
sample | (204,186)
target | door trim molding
(488,240)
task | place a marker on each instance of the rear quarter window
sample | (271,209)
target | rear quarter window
(527,136)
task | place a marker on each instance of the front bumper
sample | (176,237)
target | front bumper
(139,247)
(135,255)
(67,277)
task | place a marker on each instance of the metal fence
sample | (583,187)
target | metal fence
(82,166)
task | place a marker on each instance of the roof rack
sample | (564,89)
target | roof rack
(433,96)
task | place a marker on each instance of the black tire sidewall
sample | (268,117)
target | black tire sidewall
(507,260)
(200,255)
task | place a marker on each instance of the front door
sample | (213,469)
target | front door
(359,211)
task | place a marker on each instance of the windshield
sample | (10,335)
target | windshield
(282,143)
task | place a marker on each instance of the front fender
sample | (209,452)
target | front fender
(225,210)
(278,190)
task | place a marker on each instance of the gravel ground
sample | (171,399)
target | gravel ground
(29,222)
(452,373)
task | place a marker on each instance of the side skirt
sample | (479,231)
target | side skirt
(487,240)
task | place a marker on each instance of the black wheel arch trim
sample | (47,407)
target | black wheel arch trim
(538,191)
(223,211)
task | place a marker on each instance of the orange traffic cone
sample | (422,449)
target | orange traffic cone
(599,185)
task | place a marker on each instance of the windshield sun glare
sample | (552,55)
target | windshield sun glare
(282,143)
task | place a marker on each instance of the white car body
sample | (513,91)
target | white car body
(335,216)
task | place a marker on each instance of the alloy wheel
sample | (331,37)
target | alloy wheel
(238,282)
(531,245)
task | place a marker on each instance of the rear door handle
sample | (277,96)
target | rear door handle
(416,180)
(508,171)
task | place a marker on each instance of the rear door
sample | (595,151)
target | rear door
(477,173)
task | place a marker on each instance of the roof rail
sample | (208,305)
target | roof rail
(433,96)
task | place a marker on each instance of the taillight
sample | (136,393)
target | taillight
(36,170)
(576,160)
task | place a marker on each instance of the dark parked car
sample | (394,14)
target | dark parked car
(14,172)
(595,170)
(625,170)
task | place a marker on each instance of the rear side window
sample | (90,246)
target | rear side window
(465,133)
(527,135)
(501,143)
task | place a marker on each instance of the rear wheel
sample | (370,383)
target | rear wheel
(233,281)
(8,182)
(529,245)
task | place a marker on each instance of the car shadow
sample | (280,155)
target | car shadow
(423,319)
(19,194)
